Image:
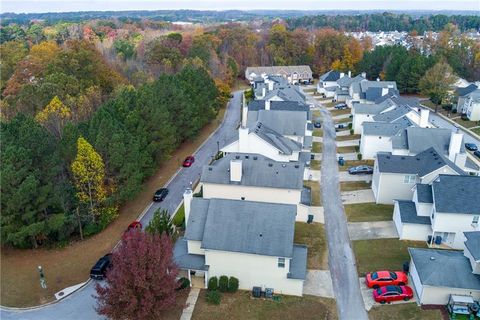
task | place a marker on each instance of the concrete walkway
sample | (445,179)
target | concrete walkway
(358,196)
(347,143)
(313,175)
(190,304)
(345,176)
(318,283)
(343,133)
(348,156)
(372,230)
(341,258)
(341,116)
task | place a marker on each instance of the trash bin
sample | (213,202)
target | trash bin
(310,218)
(341,161)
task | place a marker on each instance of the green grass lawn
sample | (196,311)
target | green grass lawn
(343,120)
(317,132)
(241,306)
(316,114)
(339,112)
(354,163)
(316,147)
(315,188)
(360,212)
(349,149)
(313,236)
(404,311)
(329,104)
(466,123)
(382,254)
(315,164)
(349,137)
(476,130)
(354,185)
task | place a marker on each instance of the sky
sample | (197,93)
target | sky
(29,6)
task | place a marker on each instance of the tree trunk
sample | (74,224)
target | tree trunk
(79,223)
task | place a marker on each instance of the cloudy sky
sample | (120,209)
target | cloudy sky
(74,5)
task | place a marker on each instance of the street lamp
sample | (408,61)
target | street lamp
(218,147)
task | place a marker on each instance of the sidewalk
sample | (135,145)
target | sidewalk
(190,304)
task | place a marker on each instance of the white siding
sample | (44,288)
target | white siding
(440,295)
(253,270)
(194,247)
(417,284)
(410,231)
(453,223)
(427,179)
(391,187)
(357,121)
(371,145)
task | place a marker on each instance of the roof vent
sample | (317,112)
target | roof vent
(403,158)
(270,164)
(284,165)
(209,168)
(418,159)
(432,258)
(388,157)
(276,172)
(246,157)
(255,158)
(237,157)
(261,235)
(297,166)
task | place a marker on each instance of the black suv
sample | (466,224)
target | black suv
(100,268)
(160,194)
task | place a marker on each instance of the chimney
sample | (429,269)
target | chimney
(243,139)
(364,75)
(264,92)
(187,203)
(424,113)
(342,75)
(235,170)
(455,145)
(267,104)
(378,79)
(270,85)
(384,91)
(244,115)
(349,73)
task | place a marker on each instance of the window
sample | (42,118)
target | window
(409,178)
(281,262)
(475,219)
(243,198)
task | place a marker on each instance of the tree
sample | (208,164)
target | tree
(54,117)
(160,223)
(89,175)
(437,81)
(142,281)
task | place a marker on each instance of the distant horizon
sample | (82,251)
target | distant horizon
(56,6)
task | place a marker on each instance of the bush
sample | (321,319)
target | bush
(350,125)
(232,284)
(214,297)
(183,283)
(351,132)
(179,217)
(223,284)
(212,284)
(359,156)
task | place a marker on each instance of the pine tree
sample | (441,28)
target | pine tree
(161,223)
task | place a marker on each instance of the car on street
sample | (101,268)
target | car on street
(471,146)
(392,293)
(99,270)
(160,194)
(477,153)
(385,278)
(188,161)
(134,225)
(317,123)
(361,170)
(341,106)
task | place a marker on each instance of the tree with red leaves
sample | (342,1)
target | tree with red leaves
(142,281)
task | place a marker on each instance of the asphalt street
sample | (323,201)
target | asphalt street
(80,305)
(341,258)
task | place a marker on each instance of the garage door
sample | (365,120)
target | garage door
(417,285)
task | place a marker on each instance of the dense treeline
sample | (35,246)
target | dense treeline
(54,187)
(386,22)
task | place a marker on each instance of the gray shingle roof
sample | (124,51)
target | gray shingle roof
(184,260)
(392,115)
(257,171)
(420,164)
(284,145)
(385,129)
(330,76)
(473,243)
(257,105)
(408,213)
(274,70)
(250,227)
(464,91)
(372,108)
(444,268)
(424,193)
(400,141)
(298,264)
(466,188)
(307,142)
(288,93)
(420,139)
(196,223)
(287,123)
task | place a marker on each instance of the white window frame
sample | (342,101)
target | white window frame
(409,178)
(281,262)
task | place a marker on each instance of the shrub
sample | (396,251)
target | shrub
(179,217)
(350,125)
(232,284)
(214,297)
(212,284)
(359,156)
(183,283)
(351,132)
(223,284)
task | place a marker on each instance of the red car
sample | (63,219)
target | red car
(188,161)
(134,225)
(392,293)
(385,278)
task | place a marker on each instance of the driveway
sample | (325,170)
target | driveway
(367,295)
(341,258)
(348,156)
(345,176)
(347,143)
(358,196)
(80,305)
(372,230)
(318,283)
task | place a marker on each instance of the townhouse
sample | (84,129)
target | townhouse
(327,84)
(293,74)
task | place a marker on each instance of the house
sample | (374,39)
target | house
(364,112)
(327,83)
(293,74)
(471,105)
(440,211)
(461,94)
(342,93)
(472,250)
(365,91)
(251,241)
(437,274)
(394,176)
(254,177)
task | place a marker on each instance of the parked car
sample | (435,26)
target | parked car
(341,106)
(477,154)
(471,146)
(134,225)
(464,117)
(100,268)
(317,123)
(360,170)
(188,161)
(392,293)
(385,278)
(160,194)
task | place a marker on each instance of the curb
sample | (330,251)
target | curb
(4,308)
